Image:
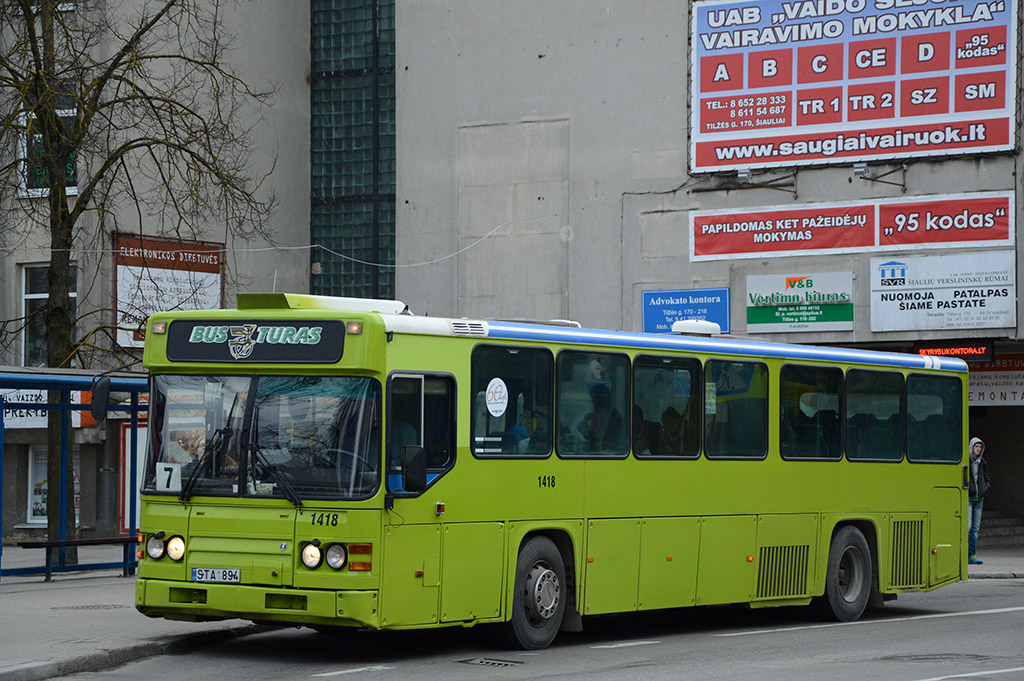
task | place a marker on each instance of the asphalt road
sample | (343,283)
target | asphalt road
(972,630)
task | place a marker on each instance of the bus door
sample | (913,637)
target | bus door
(420,413)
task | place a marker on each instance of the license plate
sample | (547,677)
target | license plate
(216,574)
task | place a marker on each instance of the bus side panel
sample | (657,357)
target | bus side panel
(613,566)
(472,566)
(725,572)
(786,555)
(412,575)
(668,562)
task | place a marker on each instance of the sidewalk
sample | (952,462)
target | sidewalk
(87,621)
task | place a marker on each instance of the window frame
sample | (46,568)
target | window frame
(628,442)
(841,411)
(946,462)
(24,191)
(26,296)
(902,413)
(551,401)
(696,402)
(767,415)
(434,473)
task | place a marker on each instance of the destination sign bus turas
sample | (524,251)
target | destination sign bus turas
(331,462)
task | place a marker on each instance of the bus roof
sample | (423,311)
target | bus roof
(398,319)
(658,341)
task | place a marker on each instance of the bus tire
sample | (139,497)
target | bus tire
(848,580)
(538,601)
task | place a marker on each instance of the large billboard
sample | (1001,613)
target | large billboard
(778,303)
(161,274)
(801,82)
(944,292)
(976,220)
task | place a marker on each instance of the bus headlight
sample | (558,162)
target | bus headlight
(311,555)
(175,548)
(155,546)
(336,556)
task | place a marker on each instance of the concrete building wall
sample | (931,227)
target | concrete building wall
(520,127)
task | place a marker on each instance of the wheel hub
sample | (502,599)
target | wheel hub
(543,593)
(849,577)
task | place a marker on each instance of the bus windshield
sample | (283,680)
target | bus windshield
(296,437)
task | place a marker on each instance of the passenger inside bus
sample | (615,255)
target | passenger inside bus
(602,427)
(645,433)
(670,435)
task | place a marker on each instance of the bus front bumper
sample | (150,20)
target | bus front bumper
(203,601)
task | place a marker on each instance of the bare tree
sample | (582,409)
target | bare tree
(117,113)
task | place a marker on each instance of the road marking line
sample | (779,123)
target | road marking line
(994,611)
(966,676)
(627,645)
(374,668)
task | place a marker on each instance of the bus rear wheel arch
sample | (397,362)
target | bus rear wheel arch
(848,577)
(539,597)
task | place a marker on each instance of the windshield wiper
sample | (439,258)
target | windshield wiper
(289,492)
(216,442)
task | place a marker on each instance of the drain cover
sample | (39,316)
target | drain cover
(487,662)
(89,607)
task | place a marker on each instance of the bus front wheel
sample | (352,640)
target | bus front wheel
(848,580)
(538,601)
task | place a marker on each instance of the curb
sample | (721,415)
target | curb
(94,662)
(998,575)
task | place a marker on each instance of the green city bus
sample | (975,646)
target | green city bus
(332,462)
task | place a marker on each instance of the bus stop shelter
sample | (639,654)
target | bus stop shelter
(66,383)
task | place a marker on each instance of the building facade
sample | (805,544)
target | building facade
(121,269)
(836,176)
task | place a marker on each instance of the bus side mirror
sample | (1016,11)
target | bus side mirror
(100,396)
(414,469)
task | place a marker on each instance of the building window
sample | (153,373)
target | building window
(33,307)
(352,155)
(35,181)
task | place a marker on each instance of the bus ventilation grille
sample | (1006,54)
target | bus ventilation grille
(782,571)
(460,328)
(907,552)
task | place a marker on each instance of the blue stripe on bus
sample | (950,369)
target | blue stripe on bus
(715,345)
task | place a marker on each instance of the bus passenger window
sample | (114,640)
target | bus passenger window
(809,423)
(875,413)
(511,389)
(735,409)
(935,418)
(592,395)
(666,407)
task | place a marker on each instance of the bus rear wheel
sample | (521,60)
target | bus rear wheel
(848,580)
(538,602)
